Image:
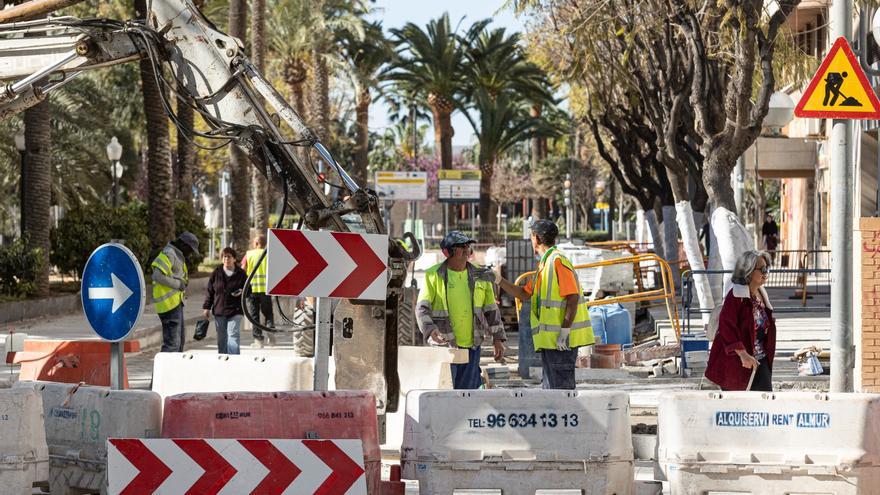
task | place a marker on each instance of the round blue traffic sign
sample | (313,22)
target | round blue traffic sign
(113,291)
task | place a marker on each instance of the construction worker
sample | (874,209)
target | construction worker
(257,300)
(560,323)
(170,278)
(456,310)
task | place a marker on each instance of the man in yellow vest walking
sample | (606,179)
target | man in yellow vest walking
(257,300)
(559,319)
(457,310)
(170,278)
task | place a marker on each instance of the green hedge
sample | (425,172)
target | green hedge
(18,269)
(84,229)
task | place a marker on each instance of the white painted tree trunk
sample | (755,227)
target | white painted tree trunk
(691,239)
(654,233)
(670,241)
(640,226)
(733,240)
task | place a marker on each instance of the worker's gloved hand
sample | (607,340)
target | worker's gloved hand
(181,285)
(486,274)
(562,340)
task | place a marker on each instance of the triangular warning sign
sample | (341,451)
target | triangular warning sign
(839,90)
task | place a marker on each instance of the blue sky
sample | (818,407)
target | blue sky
(396,13)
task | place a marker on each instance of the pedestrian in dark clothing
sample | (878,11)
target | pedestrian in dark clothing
(223,300)
(770,233)
(746,337)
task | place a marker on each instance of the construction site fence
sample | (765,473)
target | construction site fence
(805,286)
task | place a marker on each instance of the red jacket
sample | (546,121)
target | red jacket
(736,330)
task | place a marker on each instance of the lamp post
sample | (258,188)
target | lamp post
(569,224)
(20,146)
(114,153)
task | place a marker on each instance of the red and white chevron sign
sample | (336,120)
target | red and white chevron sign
(327,264)
(234,467)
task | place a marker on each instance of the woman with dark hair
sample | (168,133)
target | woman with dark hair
(223,300)
(746,338)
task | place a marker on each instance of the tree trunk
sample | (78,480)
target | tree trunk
(362,151)
(186,156)
(258,56)
(38,187)
(488,208)
(321,97)
(159,173)
(239,167)
(716,178)
(442,112)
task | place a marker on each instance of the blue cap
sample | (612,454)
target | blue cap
(455,238)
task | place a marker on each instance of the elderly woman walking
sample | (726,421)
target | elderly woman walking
(746,338)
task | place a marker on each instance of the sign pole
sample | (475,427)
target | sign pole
(841,228)
(117,368)
(323,329)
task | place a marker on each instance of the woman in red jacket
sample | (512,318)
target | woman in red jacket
(746,337)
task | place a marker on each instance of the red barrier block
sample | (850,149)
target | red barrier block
(337,415)
(69,361)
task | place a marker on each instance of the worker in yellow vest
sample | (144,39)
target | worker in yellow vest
(257,300)
(170,278)
(457,310)
(559,319)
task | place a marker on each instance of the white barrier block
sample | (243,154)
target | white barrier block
(770,443)
(177,373)
(78,422)
(24,455)
(419,368)
(518,441)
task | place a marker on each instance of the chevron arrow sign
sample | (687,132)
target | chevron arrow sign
(207,467)
(327,264)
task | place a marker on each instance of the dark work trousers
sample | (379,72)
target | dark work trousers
(173,331)
(467,376)
(260,303)
(558,369)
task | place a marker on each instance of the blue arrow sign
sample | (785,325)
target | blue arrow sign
(113,292)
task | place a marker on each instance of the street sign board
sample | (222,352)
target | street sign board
(327,264)
(411,186)
(459,186)
(113,291)
(839,90)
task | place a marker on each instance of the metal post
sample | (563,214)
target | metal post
(115,190)
(23,186)
(323,330)
(842,351)
(117,366)
(739,179)
(223,236)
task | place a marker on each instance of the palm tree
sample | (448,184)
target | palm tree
(502,84)
(290,39)
(158,154)
(38,187)
(366,54)
(432,62)
(240,169)
(258,55)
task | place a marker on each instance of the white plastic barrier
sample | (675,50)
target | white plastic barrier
(78,422)
(178,373)
(770,443)
(419,368)
(24,455)
(518,442)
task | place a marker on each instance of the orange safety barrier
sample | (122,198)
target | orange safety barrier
(69,361)
(666,293)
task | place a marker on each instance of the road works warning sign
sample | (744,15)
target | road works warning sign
(839,90)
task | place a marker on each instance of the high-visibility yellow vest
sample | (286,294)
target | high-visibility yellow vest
(548,308)
(166,298)
(433,296)
(258,283)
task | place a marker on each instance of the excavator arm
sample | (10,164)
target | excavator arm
(198,65)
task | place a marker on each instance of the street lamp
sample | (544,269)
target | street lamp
(569,223)
(114,153)
(20,146)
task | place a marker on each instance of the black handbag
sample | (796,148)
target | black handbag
(201,329)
